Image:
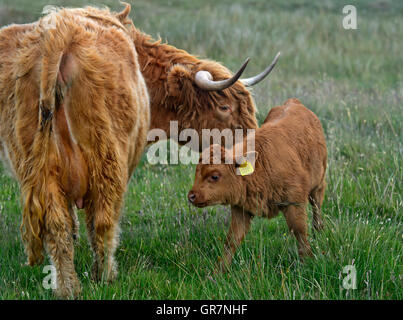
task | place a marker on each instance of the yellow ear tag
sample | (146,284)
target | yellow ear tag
(246,168)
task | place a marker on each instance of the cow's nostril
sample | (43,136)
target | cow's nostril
(191,197)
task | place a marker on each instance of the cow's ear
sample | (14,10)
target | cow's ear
(180,80)
(123,16)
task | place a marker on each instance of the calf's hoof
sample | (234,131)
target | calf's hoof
(305,253)
(318,226)
(221,267)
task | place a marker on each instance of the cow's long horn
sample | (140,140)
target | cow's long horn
(256,79)
(204,79)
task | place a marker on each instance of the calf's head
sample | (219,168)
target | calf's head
(220,178)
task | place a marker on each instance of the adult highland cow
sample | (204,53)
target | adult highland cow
(74,115)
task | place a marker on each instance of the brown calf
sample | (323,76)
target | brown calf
(289,170)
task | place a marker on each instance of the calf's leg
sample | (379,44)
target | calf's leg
(240,224)
(296,218)
(316,199)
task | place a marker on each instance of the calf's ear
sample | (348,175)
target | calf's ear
(180,81)
(245,164)
(249,156)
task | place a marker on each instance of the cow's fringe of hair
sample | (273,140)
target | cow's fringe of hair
(160,59)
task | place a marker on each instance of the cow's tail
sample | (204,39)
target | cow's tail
(45,210)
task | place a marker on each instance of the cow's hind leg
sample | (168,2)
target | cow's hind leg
(112,240)
(103,235)
(316,199)
(59,245)
(74,222)
(97,245)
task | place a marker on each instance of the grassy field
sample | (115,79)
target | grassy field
(349,78)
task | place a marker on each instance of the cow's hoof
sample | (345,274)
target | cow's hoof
(69,290)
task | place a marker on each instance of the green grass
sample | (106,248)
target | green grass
(349,78)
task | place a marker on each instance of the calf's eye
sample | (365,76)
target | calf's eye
(225,108)
(214,178)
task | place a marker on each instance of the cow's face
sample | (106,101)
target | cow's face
(206,96)
(198,108)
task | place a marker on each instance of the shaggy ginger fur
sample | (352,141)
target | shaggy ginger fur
(289,171)
(74,114)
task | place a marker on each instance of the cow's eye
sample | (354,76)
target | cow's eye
(225,108)
(214,178)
